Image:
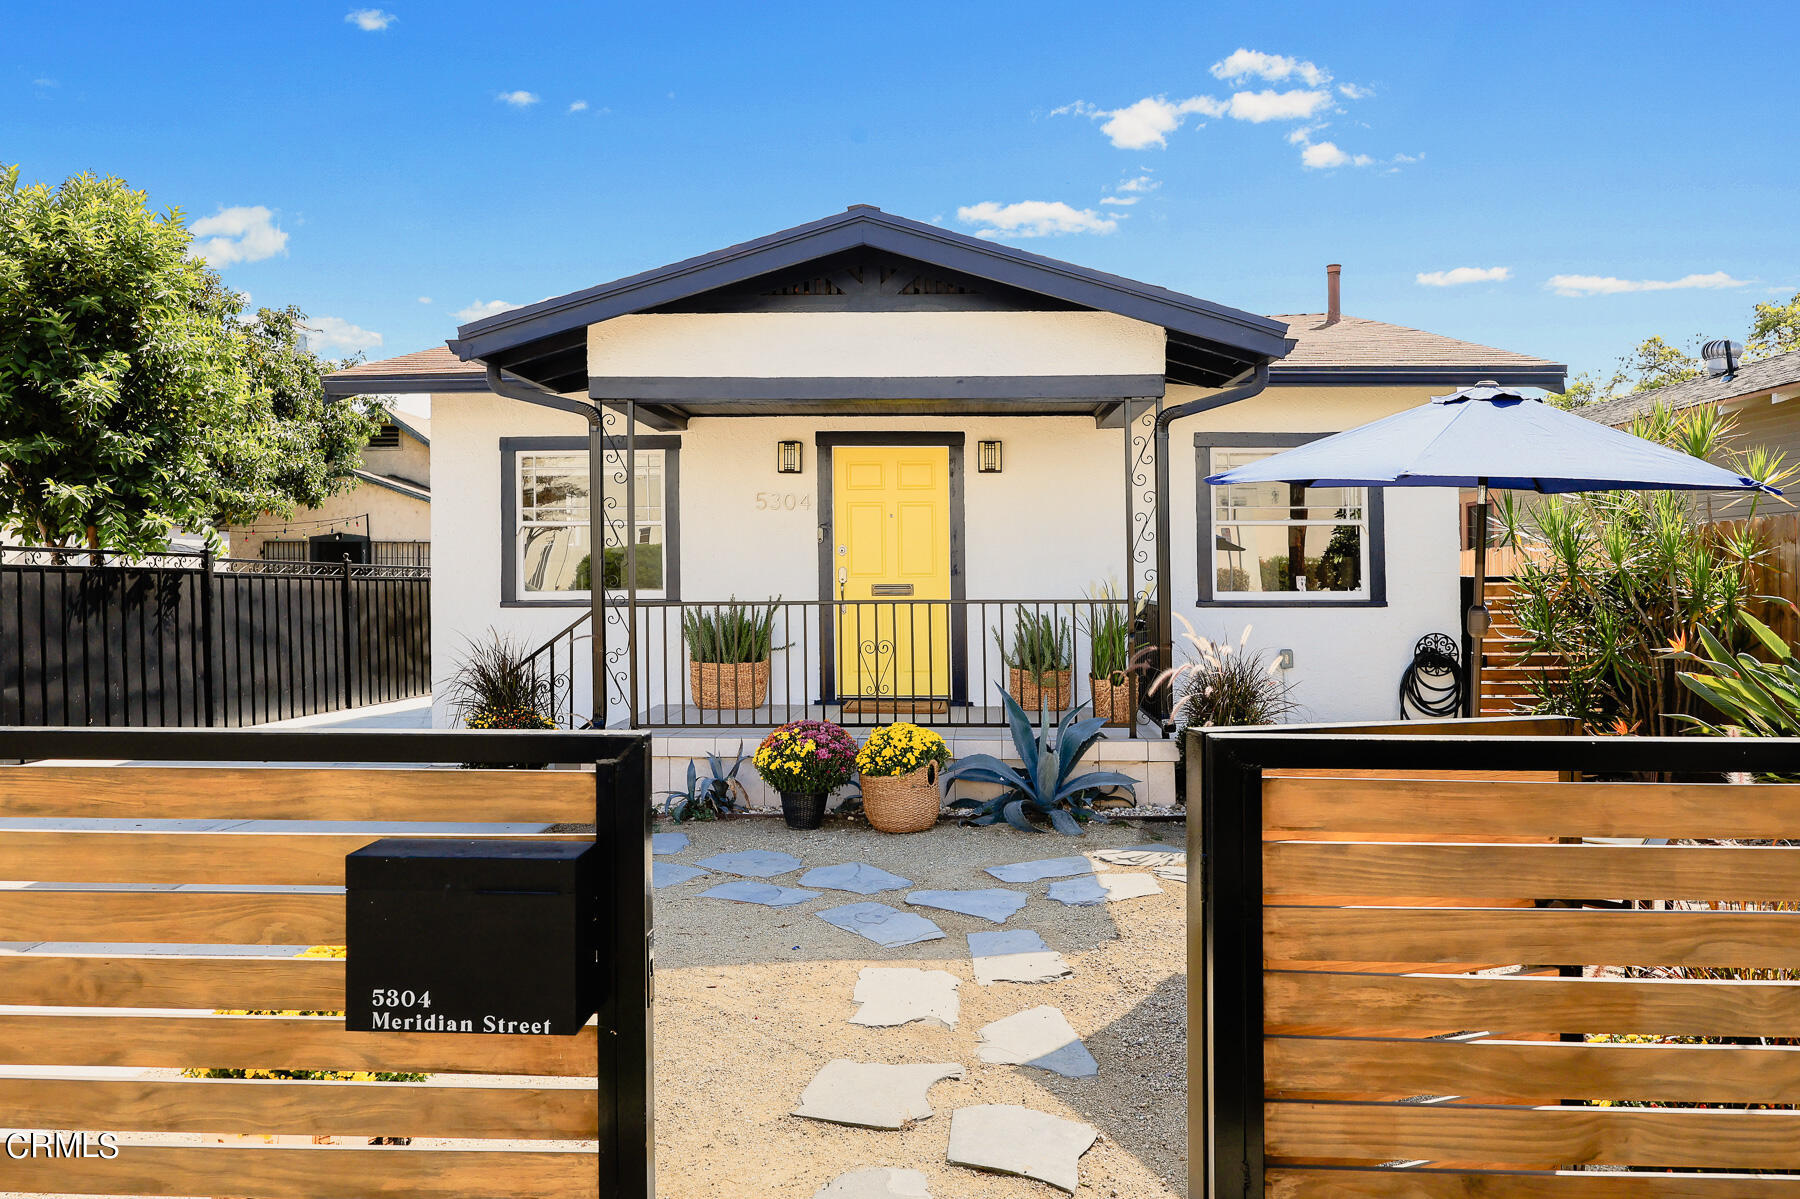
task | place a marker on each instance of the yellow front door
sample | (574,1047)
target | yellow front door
(891,548)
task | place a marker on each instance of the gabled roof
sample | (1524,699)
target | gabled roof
(1753,378)
(545,342)
(405,487)
(1354,349)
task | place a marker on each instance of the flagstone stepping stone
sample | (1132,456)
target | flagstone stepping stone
(892,996)
(994,903)
(767,894)
(882,1183)
(872,1095)
(668,842)
(859,877)
(1144,855)
(1009,1139)
(887,927)
(1097,889)
(1031,872)
(1015,956)
(667,874)
(752,863)
(1040,1037)
(1175,874)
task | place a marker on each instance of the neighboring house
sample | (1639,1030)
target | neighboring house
(1756,396)
(908,434)
(389,505)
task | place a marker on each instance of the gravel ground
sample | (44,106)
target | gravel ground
(752,1001)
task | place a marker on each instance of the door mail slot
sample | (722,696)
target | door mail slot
(471,936)
(890,589)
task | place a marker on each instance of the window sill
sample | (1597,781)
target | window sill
(1279,605)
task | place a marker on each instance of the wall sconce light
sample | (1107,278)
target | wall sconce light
(988,457)
(787,457)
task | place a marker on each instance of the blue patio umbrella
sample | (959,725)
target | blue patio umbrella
(1484,437)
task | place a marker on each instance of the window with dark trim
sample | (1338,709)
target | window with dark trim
(546,551)
(1284,545)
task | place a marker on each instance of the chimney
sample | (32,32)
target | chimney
(1332,310)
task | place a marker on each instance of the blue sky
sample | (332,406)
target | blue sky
(1607,170)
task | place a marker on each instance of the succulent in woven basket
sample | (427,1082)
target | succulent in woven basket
(898,749)
(806,757)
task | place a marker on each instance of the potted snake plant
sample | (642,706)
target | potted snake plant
(729,648)
(1037,661)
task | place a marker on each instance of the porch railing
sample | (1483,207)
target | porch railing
(855,662)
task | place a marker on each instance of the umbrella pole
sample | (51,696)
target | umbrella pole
(1478,613)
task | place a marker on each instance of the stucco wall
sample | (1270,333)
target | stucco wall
(391,517)
(1050,525)
(836,344)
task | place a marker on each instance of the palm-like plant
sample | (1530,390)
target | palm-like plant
(1607,581)
(1046,785)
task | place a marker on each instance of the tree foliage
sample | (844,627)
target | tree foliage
(135,398)
(1654,362)
(1610,582)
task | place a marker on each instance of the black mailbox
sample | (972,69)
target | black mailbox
(471,936)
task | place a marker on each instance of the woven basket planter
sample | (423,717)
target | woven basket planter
(903,803)
(726,685)
(1025,688)
(1115,698)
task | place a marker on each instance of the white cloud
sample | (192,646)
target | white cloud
(1149,121)
(1241,64)
(44,81)
(340,334)
(424,299)
(1120,201)
(1258,107)
(1326,155)
(1351,91)
(242,234)
(1130,191)
(1033,218)
(479,309)
(370,20)
(578,106)
(518,99)
(1608,285)
(1456,276)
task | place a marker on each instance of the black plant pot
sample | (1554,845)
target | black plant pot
(803,809)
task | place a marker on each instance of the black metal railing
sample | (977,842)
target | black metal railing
(103,637)
(855,662)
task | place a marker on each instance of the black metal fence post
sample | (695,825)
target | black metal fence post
(352,634)
(207,639)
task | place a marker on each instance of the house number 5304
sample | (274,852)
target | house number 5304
(782,501)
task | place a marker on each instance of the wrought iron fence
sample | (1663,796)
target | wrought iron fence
(101,637)
(855,662)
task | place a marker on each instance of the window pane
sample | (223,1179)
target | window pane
(1278,501)
(1287,558)
(553,487)
(649,561)
(554,558)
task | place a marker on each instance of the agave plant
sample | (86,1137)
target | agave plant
(708,797)
(1045,786)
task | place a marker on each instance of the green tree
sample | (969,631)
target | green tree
(1653,362)
(134,397)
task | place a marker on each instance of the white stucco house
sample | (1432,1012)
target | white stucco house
(910,436)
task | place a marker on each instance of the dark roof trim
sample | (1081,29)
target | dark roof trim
(410,490)
(866,226)
(1551,378)
(670,390)
(403,383)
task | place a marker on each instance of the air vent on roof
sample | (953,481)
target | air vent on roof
(387,438)
(1722,357)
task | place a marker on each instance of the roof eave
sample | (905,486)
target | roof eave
(1550,376)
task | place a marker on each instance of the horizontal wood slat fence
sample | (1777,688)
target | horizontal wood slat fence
(176,994)
(91,638)
(1440,965)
